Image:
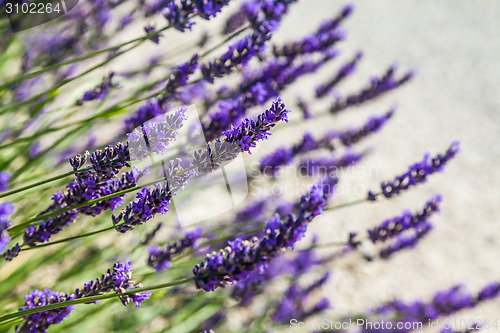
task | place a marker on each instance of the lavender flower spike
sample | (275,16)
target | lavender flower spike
(78,192)
(155,136)
(444,303)
(377,87)
(247,135)
(100,92)
(179,15)
(406,242)
(346,70)
(118,279)
(242,257)
(152,201)
(160,259)
(417,173)
(106,163)
(396,225)
(41,321)
(11,253)
(4,181)
(6,209)
(239,53)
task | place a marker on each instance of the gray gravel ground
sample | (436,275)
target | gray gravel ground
(454,46)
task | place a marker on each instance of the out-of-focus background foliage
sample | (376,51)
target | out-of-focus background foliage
(454,47)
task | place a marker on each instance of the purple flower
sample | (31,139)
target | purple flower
(4,181)
(151,201)
(155,107)
(344,72)
(266,12)
(149,110)
(155,6)
(264,17)
(179,15)
(377,87)
(246,290)
(444,303)
(242,257)
(149,29)
(396,225)
(406,242)
(11,253)
(100,92)
(328,165)
(327,35)
(235,21)
(247,134)
(194,92)
(373,125)
(239,53)
(417,173)
(257,88)
(156,135)
(41,321)
(118,279)
(252,212)
(6,209)
(160,259)
(292,305)
(150,235)
(489,291)
(271,163)
(106,163)
(78,192)
(125,21)
(305,109)
(180,75)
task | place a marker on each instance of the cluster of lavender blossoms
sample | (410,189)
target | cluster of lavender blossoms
(157,199)
(117,279)
(6,209)
(241,257)
(417,173)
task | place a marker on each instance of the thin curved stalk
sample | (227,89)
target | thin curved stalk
(27,222)
(92,299)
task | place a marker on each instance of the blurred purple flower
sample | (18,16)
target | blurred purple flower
(417,173)
(160,258)
(408,220)
(240,258)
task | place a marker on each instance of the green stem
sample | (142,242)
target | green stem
(81,58)
(42,182)
(347,204)
(90,202)
(92,299)
(122,104)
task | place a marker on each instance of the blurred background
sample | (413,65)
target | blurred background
(454,47)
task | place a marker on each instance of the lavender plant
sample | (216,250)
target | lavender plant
(69,80)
